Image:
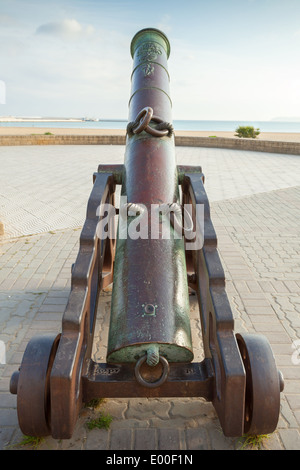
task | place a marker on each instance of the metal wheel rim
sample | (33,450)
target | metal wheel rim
(262,398)
(33,392)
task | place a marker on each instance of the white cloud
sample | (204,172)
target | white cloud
(69,28)
(55,75)
(72,58)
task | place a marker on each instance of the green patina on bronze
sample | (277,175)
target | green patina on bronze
(132,330)
(150,35)
(150,299)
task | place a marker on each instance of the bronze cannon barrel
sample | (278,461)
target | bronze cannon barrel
(150,299)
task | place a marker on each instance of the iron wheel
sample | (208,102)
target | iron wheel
(263,384)
(33,385)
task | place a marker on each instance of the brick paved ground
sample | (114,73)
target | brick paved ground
(255,209)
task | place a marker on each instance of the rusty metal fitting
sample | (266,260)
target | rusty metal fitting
(153,355)
(158,382)
(131,209)
(14,380)
(142,121)
(176,209)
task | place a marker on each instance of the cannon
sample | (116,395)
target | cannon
(154,244)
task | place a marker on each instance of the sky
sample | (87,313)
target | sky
(230,59)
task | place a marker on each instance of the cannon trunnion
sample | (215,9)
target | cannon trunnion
(165,245)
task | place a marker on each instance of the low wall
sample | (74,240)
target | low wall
(62,139)
(292,148)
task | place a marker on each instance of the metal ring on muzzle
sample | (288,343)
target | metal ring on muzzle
(158,382)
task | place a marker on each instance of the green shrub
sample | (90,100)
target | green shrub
(247,132)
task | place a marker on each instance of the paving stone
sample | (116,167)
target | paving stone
(8,417)
(259,310)
(97,439)
(290,438)
(116,408)
(272,442)
(7,400)
(149,408)
(197,439)
(169,439)
(145,439)
(294,400)
(190,408)
(121,439)
(130,423)
(256,216)
(6,435)
(218,440)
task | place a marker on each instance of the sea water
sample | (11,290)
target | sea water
(180,125)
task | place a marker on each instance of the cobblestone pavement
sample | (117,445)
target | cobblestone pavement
(255,210)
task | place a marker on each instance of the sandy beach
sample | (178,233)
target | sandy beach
(273,136)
